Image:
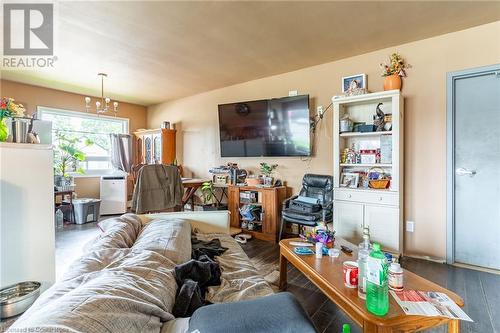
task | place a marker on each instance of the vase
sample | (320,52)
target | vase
(392,82)
(268,181)
(4,131)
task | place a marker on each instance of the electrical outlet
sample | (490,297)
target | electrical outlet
(320,111)
(293,93)
(410,226)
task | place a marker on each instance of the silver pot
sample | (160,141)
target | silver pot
(17,298)
(346,125)
(20,127)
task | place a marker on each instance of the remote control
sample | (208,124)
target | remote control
(345,249)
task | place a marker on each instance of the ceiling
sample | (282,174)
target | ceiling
(158,51)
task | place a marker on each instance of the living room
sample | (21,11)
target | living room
(373,118)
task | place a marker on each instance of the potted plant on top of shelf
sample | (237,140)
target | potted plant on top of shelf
(267,170)
(208,194)
(394,71)
(67,153)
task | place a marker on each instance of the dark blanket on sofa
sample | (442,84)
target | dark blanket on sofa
(210,248)
(196,275)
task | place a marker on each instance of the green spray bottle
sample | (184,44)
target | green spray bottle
(377,289)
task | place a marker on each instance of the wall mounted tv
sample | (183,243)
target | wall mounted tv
(269,127)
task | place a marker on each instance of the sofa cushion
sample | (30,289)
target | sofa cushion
(168,237)
(240,279)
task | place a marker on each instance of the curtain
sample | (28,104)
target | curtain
(121,151)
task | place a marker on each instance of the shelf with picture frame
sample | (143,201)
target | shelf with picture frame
(356,204)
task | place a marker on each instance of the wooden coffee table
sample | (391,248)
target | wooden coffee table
(326,274)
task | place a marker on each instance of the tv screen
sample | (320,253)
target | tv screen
(273,127)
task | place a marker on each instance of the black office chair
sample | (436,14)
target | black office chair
(313,186)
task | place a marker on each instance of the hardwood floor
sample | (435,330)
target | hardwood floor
(480,291)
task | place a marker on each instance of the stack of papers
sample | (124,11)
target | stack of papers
(428,303)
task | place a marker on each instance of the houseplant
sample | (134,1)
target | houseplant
(267,170)
(67,153)
(394,71)
(8,109)
(208,195)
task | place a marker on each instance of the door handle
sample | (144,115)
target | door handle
(465,172)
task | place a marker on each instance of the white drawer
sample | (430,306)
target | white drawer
(366,196)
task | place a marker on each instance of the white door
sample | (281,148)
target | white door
(475,173)
(348,220)
(383,222)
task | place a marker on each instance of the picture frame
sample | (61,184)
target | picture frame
(347,80)
(349,179)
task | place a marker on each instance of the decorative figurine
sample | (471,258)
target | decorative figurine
(378,119)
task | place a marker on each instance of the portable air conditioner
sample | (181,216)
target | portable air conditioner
(113,195)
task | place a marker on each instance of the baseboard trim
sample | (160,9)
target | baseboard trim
(477,268)
(442,261)
(415,256)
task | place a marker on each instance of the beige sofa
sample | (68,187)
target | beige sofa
(124,282)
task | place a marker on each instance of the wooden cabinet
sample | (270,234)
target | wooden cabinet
(356,205)
(270,199)
(383,221)
(156,146)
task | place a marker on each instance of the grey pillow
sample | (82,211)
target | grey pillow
(275,313)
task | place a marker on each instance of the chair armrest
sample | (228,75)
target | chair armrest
(328,206)
(286,202)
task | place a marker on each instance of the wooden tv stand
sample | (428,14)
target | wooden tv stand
(271,199)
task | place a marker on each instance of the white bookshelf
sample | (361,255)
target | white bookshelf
(381,210)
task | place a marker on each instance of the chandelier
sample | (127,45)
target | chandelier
(101,106)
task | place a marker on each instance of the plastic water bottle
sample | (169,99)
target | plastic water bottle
(377,290)
(346,328)
(363,253)
(59,219)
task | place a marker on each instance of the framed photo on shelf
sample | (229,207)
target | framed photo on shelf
(349,179)
(353,81)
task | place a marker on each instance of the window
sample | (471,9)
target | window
(86,126)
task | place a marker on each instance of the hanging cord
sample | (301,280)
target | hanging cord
(314,125)
(317,118)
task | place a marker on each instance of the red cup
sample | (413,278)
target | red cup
(350,270)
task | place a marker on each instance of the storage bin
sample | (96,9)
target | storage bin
(86,210)
(367,128)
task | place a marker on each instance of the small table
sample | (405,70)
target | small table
(223,193)
(191,185)
(326,274)
(72,208)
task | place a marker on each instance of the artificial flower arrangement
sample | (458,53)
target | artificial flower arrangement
(397,65)
(9,109)
(320,234)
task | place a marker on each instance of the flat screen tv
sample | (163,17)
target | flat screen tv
(269,127)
